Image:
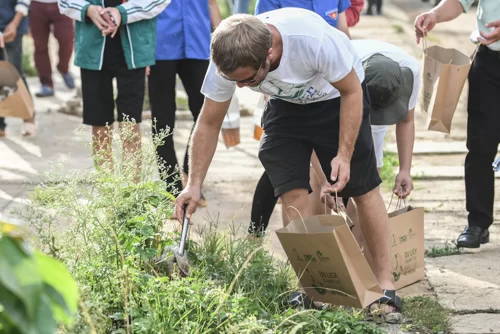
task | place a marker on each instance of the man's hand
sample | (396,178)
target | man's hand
(10,32)
(93,13)
(326,197)
(190,196)
(491,37)
(424,23)
(2,42)
(341,171)
(113,19)
(403,185)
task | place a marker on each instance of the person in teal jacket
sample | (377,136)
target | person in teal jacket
(113,39)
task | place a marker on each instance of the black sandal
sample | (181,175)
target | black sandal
(298,299)
(391,299)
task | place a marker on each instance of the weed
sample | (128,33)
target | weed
(110,232)
(427,315)
(27,65)
(450,248)
(398,28)
(387,171)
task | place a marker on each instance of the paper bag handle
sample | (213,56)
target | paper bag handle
(398,203)
(341,209)
(301,218)
(473,55)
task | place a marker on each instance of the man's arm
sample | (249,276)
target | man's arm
(204,140)
(447,10)
(215,16)
(342,24)
(138,10)
(405,137)
(23,7)
(351,112)
(353,12)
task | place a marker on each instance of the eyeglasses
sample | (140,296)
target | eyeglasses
(245,81)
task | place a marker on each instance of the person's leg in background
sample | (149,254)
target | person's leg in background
(2,120)
(64,32)
(379,7)
(369,10)
(192,73)
(483,128)
(263,205)
(129,104)
(15,56)
(40,21)
(161,85)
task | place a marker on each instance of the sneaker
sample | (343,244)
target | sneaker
(68,80)
(45,91)
(28,129)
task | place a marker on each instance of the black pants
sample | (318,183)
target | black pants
(483,136)
(162,81)
(377,3)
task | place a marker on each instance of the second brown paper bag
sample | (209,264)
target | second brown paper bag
(326,258)
(443,78)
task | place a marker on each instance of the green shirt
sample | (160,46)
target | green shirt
(487,11)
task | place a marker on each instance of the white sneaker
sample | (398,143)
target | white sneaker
(28,129)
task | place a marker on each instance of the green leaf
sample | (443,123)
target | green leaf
(55,274)
(45,321)
(14,311)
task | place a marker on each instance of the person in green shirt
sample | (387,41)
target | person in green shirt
(483,122)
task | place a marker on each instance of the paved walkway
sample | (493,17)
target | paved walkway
(468,283)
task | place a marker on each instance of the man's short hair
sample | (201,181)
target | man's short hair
(241,40)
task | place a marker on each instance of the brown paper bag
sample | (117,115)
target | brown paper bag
(19,104)
(443,79)
(407,245)
(328,261)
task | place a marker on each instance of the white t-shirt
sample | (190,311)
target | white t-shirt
(367,47)
(314,55)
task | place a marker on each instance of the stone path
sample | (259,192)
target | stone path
(468,284)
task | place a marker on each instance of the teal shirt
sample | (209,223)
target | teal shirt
(487,11)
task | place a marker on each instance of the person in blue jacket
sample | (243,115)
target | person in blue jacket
(182,48)
(13,26)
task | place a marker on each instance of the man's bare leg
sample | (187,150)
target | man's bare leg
(298,199)
(101,147)
(374,225)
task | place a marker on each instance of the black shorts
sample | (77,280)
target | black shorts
(98,96)
(292,131)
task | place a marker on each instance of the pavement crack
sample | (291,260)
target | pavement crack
(476,311)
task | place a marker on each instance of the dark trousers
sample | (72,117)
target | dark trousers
(376,3)
(42,17)
(14,51)
(161,83)
(483,136)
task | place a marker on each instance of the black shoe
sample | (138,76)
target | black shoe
(473,237)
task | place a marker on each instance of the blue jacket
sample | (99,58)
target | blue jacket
(184,30)
(8,11)
(328,9)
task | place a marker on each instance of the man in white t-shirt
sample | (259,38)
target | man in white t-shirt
(305,65)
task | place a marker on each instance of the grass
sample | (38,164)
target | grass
(114,236)
(450,248)
(398,28)
(387,171)
(427,315)
(28,67)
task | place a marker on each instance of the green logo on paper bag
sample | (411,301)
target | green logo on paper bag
(299,258)
(397,276)
(310,258)
(321,257)
(394,243)
(411,233)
